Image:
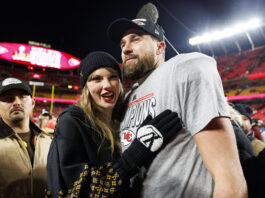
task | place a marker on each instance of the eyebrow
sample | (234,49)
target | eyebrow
(133,35)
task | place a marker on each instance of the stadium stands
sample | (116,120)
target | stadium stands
(239,65)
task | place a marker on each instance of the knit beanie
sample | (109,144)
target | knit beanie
(95,60)
(245,110)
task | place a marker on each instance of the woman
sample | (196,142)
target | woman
(85,158)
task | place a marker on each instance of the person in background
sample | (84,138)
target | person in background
(202,160)
(253,166)
(244,145)
(84,159)
(43,121)
(246,113)
(256,128)
(262,128)
(23,146)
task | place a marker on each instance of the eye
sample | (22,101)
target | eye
(96,78)
(136,38)
(121,45)
(7,99)
(23,96)
(113,76)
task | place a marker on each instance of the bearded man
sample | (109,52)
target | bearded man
(202,160)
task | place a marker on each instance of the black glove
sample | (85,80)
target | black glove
(151,135)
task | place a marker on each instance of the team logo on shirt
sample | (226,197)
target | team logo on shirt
(127,137)
(138,110)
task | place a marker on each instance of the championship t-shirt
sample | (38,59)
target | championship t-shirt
(190,85)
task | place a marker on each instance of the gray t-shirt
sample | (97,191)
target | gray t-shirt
(190,85)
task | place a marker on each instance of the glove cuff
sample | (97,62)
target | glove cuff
(135,156)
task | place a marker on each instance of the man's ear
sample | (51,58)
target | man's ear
(160,47)
(33,102)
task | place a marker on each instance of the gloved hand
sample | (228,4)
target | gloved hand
(151,135)
(154,132)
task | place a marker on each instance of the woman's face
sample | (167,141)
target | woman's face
(104,88)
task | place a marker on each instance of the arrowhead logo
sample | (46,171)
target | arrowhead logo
(127,137)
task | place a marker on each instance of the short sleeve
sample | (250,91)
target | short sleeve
(201,91)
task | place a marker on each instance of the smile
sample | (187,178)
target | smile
(107,97)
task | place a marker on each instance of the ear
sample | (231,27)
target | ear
(160,47)
(33,102)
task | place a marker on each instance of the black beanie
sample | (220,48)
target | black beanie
(95,60)
(244,110)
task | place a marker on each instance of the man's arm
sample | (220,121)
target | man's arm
(217,146)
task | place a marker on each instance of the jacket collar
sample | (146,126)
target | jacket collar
(6,130)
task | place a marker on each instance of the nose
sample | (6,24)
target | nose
(127,48)
(16,100)
(106,84)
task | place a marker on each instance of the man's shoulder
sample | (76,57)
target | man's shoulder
(5,131)
(191,63)
(189,57)
(38,131)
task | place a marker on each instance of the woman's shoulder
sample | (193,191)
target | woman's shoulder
(72,117)
(72,112)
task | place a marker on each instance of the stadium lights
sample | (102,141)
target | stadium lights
(227,32)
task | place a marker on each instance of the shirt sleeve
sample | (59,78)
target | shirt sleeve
(201,91)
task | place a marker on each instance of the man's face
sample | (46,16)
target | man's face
(45,120)
(246,124)
(138,52)
(16,106)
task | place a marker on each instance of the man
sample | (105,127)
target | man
(202,160)
(23,146)
(246,114)
(43,121)
(256,128)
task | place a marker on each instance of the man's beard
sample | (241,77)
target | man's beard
(16,119)
(135,71)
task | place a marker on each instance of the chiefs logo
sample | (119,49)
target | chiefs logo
(139,23)
(127,137)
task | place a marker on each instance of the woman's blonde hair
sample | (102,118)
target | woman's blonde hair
(107,131)
(234,114)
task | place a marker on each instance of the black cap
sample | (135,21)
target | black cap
(45,112)
(244,110)
(95,60)
(14,83)
(118,27)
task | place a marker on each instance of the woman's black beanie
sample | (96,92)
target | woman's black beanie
(95,60)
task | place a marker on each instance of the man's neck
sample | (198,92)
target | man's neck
(20,127)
